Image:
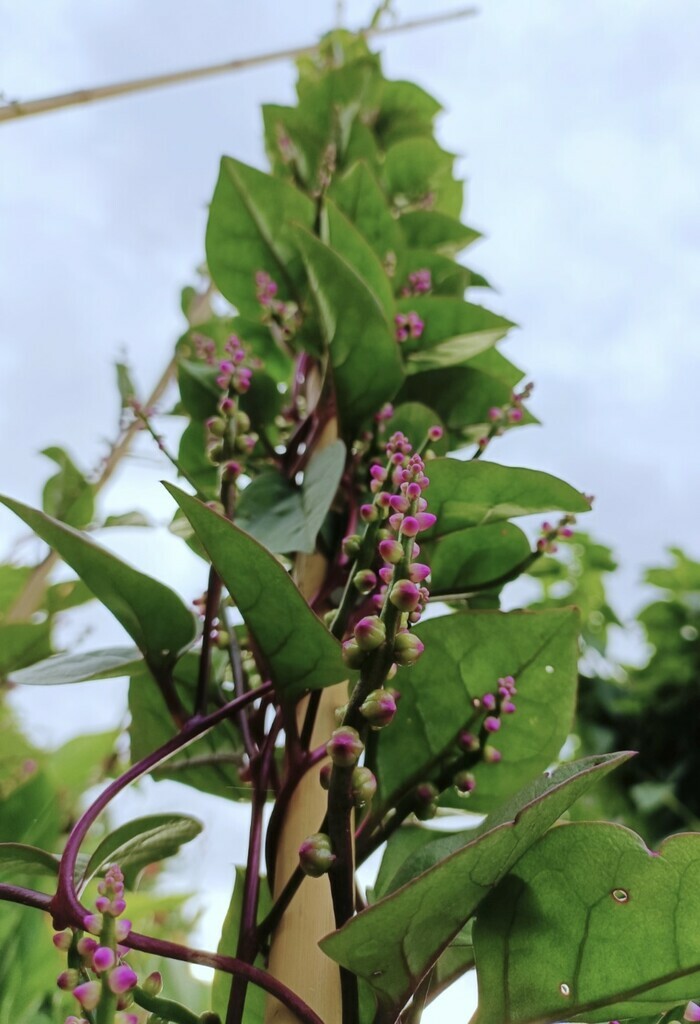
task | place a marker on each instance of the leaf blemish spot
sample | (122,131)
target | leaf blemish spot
(549,669)
(564,989)
(620,895)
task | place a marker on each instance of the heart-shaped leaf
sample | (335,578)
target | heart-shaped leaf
(454,331)
(395,941)
(360,197)
(153,615)
(464,656)
(300,651)
(591,925)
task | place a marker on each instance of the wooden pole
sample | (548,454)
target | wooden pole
(15,109)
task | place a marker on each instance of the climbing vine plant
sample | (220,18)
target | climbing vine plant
(323,412)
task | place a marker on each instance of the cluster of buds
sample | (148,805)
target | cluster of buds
(420,282)
(408,325)
(494,705)
(229,431)
(503,416)
(101,955)
(284,316)
(549,534)
(233,375)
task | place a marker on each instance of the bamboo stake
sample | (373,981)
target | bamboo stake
(15,109)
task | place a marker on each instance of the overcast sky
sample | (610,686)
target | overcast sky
(579,133)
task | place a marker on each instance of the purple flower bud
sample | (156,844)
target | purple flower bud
(352,654)
(692,1011)
(378,708)
(324,776)
(426,795)
(88,994)
(467,741)
(386,573)
(410,526)
(494,414)
(377,473)
(63,940)
(93,923)
(365,581)
(404,595)
(515,415)
(508,707)
(418,571)
(488,701)
(491,723)
(121,979)
(86,946)
(368,513)
(395,521)
(103,958)
(123,928)
(435,433)
(391,551)
(407,648)
(399,503)
(370,633)
(364,786)
(464,782)
(344,747)
(425,520)
(490,755)
(316,855)
(67,980)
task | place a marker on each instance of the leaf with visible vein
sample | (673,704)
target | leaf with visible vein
(299,650)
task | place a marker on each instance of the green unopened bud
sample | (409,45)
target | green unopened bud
(344,747)
(379,708)
(340,713)
(426,796)
(329,617)
(370,633)
(464,782)
(153,984)
(407,648)
(316,855)
(217,426)
(364,786)
(365,581)
(351,545)
(243,421)
(223,639)
(352,654)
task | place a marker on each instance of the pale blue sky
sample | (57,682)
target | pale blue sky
(579,131)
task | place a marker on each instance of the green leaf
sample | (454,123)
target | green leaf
(140,842)
(364,354)
(417,167)
(414,420)
(79,668)
(153,615)
(472,560)
(13,579)
(228,944)
(430,229)
(454,331)
(464,656)
(447,277)
(127,391)
(393,943)
(284,517)
(23,643)
(134,518)
(80,763)
(300,651)
(20,859)
(405,110)
(345,239)
(198,389)
(212,763)
(463,494)
(591,908)
(249,229)
(360,197)
(68,496)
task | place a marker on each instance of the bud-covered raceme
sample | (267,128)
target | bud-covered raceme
(364,786)
(344,747)
(378,708)
(316,855)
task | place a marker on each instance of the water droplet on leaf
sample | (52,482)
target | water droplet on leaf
(549,669)
(620,895)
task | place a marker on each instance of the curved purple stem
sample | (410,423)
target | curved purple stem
(65,905)
(174,951)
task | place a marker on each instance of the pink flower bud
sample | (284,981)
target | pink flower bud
(391,551)
(379,708)
(121,979)
(492,724)
(364,786)
(464,782)
(352,654)
(365,581)
(692,1011)
(425,520)
(103,958)
(407,648)
(63,940)
(123,928)
(410,526)
(88,994)
(368,513)
(93,923)
(490,755)
(488,701)
(435,433)
(418,571)
(67,980)
(316,855)
(344,747)
(153,984)
(508,707)
(86,946)
(399,503)
(404,595)
(370,633)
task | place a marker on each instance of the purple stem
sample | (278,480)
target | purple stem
(174,951)
(65,905)
(280,807)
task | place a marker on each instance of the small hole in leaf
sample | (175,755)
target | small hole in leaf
(564,989)
(549,669)
(620,895)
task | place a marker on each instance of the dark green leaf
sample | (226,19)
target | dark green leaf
(140,842)
(23,643)
(414,420)
(151,613)
(464,656)
(249,230)
(67,496)
(603,928)
(363,351)
(394,942)
(471,560)
(78,764)
(430,229)
(345,239)
(285,517)
(405,110)
(79,668)
(300,651)
(416,168)
(134,518)
(20,859)
(454,331)
(360,197)
(198,389)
